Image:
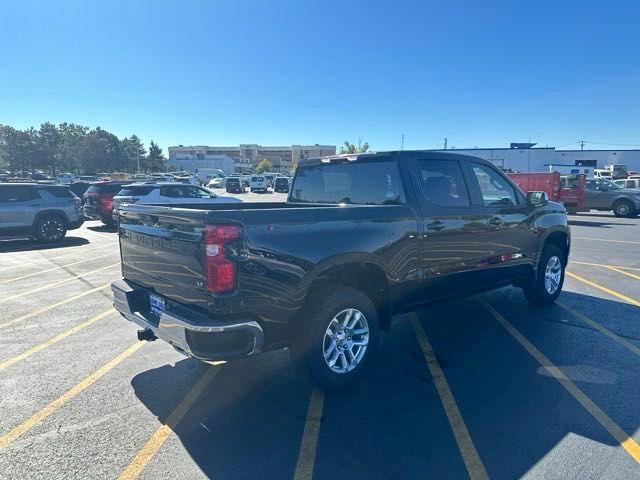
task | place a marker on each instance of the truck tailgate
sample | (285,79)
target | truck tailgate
(162,251)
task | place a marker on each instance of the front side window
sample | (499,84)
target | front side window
(443,183)
(358,183)
(172,191)
(495,189)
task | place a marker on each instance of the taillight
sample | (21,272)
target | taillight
(220,272)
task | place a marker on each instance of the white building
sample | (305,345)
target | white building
(247,156)
(529,159)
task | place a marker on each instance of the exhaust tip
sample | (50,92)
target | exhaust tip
(146,335)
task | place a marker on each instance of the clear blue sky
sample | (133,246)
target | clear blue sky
(285,71)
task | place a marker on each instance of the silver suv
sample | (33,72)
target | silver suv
(603,194)
(42,211)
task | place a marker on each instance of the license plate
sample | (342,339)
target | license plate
(157,304)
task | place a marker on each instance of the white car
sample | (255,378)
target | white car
(218,182)
(161,193)
(66,178)
(628,183)
(258,183)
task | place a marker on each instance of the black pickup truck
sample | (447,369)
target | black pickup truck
(361,238)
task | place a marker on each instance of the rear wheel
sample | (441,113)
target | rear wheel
(339,338)
(51,228)
(623,208)
(548,283)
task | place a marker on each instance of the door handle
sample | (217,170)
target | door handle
(496,221)
(437,225)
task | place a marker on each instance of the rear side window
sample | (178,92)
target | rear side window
(360,183)
(134,191)
(17,193)
(443,183)
(495,189)
(60,192)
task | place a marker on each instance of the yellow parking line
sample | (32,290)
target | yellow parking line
(628,443)
(73,392)
(613,293)
(604,265)
(607,240)
(309,443)
(27,263)
(47,287)
(56,339)
(617,338)
(49,307)
(55,268)
(136,466)
(470,456)
(618,270)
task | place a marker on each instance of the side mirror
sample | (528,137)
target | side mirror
(537,199)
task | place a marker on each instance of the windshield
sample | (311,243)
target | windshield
(609,184)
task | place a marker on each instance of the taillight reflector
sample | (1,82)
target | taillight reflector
(220,272)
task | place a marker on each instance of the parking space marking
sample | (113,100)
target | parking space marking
(142,458)
(607,240)
(604,289)
(625,440)
(470,456)
(56,339)
(53,305)
(55,284)
(24,263)
(605,331)
(618,270)
(309,443)
(605,265)
(55,268)
(73,392)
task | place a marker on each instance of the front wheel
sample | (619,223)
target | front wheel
(338,340)
(549,279)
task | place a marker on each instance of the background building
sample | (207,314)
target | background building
(524,157)
(246,156)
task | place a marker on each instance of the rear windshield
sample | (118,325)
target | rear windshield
(233,180)
(108,188)
(282,181)
(132,191)
(361,183)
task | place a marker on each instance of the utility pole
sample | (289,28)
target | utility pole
(138,161)
(402,143)
(581,144)
(445,143)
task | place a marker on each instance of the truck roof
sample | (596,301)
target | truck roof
(398,154)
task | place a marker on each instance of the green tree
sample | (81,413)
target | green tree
(47,141)
(71,134)
(100,151)
(264,166)
(155,161)
(133,149)
(351,148)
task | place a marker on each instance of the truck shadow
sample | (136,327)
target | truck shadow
(249,421)
(26,244)
(585,223)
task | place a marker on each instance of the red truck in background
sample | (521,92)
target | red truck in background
(565,189)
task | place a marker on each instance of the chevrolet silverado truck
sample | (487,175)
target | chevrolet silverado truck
(361,238)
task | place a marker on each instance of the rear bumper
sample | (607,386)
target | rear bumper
(189,331)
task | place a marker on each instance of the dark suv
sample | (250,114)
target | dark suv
(43,211)
(235,185)
(281,185)
(98,201)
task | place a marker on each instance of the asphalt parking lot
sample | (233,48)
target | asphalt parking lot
(485,387)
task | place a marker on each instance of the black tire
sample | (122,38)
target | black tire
(50,228)
(535,290)
(109,222)
(307,352)
(624,208)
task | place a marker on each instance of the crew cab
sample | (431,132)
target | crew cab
(604,195)
(361,238)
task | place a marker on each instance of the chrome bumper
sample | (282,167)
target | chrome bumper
(189,331)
